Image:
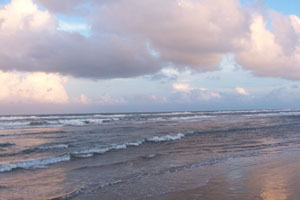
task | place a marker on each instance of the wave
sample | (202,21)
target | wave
(56,146)
(80,122)
(38,123)
(52,123)
(112,115)
(31,133)
(7,118)
(166,138)
(45,121)
(101,150)
(34,163)
(167,113)
(43,162)
(6,144)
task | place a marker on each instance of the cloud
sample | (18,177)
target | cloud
(274,52)
(184,93)
(23,15)
(35,87)
(241,91)
(129,38)
(205,94)
(182,87)
(37,45)
(285,94)
(63,6)
(184,32)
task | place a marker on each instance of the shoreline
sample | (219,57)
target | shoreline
(272,178)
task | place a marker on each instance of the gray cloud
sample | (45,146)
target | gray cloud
(63,6)
(72,54)
(32,43)
(133,37)
(184,32)
(125,37)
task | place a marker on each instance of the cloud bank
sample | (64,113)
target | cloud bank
(131,37)
(30,41)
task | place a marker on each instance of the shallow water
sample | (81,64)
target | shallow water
(147,155)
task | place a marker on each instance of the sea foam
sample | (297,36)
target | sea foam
(34,163)
(166,138)
(43,162)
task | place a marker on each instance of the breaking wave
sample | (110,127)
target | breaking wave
(34,163)
(43,162)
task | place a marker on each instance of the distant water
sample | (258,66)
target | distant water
(69,156)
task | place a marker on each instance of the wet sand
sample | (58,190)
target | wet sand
(270,177)
(273,181)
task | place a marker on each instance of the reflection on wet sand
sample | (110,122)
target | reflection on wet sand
(247,180)
(275,184)
(19,186)
(275,180)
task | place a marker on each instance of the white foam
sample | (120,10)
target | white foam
(112,115)
(14,123)
(74,122)
(34,163)
(80,122)
(10,118)
(136,143)
(43,162)
(90,152)
(151,156)
(167,114)
(100,150)
(166,138)
(190,118)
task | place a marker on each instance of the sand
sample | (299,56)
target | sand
(269,177)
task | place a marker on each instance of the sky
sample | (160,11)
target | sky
(83,56)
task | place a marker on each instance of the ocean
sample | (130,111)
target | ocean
(142,155)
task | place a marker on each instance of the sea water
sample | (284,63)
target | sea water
(133,155)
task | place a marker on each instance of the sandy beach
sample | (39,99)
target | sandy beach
(272,177)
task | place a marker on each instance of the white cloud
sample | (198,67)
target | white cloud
(272,53)
(241,91)
(182,87)
(21,15)
(34,87)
